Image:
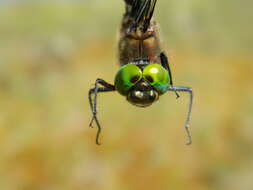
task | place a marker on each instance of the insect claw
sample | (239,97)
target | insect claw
(90,125)
(177,95)
(188,134)
(189,142)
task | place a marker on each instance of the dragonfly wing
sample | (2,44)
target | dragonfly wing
(140,12)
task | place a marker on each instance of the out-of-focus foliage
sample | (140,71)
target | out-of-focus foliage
(51,54)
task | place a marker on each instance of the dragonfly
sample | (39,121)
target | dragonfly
(144,74)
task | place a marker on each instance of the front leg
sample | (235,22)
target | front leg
(187,122)
(165,64)
(106,87)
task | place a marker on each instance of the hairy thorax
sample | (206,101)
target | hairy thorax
(135,44)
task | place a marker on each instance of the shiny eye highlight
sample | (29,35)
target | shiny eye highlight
(127,76)
(157,76)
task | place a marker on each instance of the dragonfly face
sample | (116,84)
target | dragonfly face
(142,94)
(142,85)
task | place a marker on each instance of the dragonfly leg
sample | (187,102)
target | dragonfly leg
(106,87)
(165,64)
(187,122)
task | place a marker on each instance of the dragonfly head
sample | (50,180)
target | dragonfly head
(142,86)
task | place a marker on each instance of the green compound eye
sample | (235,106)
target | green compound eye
(127,77)
(157,76)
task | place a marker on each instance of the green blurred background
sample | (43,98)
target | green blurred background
(51,52)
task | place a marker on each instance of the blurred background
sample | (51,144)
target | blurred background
(51,52)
